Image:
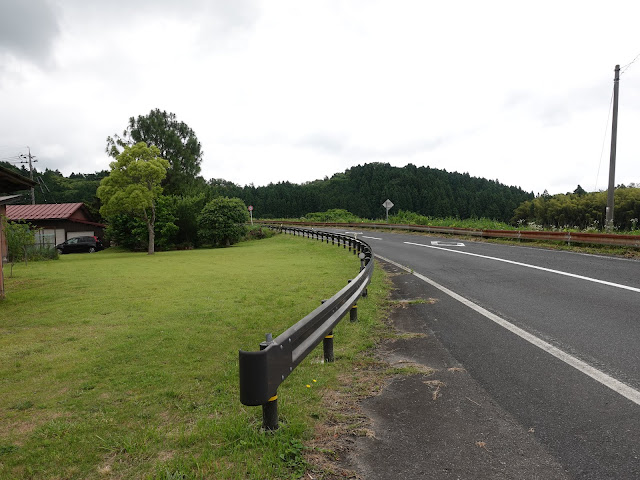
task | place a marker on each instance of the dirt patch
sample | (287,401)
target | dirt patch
(415,301)
(345,421)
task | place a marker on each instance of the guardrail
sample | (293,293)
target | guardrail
(262,372)
(567,237)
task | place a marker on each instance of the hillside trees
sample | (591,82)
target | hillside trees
(362,190)
(176,142)
(581,210)
(133,186)
(53,187)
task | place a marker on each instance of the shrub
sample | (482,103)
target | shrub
(337,215)
(222,221)
(256,232)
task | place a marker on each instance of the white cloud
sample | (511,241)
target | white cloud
(295,91)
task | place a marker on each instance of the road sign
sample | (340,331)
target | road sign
(251,208)
(251,213)
(387,204)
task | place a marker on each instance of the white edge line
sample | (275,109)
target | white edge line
(544,269)
(617,386)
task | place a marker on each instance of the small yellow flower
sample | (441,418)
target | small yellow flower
(308,386)
(314,380)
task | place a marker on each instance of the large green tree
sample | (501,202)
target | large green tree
(134,185)
(176,141)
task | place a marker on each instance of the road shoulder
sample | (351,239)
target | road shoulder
(440,424)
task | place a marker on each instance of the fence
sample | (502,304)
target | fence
(567,237)
(262,372)
(44,240)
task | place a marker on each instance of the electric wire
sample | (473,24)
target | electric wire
(626,67)
(606,129)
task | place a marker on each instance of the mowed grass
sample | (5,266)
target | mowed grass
(123,365)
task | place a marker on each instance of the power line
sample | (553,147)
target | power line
(624,69)
(13,159)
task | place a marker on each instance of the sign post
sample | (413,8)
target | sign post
(387,204)
(251,213)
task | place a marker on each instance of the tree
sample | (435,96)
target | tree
(133,186)
(580,191)
(176,142)
(222,221)
(19,236)
(186,211)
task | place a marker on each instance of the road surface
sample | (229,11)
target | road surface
(552,337)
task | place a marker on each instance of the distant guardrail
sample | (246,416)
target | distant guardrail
(262,372)
(566,237)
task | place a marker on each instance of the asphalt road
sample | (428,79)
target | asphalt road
(552,337)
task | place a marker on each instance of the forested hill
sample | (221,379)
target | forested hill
(362,190)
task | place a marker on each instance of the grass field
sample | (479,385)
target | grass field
(123,365)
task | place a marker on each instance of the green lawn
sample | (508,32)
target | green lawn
(124,365)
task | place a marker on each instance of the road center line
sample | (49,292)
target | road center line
(550,270)
(617,386)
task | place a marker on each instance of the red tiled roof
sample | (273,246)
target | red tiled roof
(42,212)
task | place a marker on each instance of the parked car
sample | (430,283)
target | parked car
(88,244)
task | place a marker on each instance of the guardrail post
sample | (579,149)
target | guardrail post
(270,414)
(363,264)
(353,314)
(269,409)
(327,345)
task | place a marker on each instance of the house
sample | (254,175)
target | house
(57,221)
(10,182)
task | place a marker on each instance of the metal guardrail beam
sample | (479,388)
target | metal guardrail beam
(262,372)
(567,237)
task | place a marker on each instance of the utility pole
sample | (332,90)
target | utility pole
(612,161)
(31,160)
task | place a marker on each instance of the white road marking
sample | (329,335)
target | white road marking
(355,233)
(438,243)
(550,270)
(617,386)
(372,238)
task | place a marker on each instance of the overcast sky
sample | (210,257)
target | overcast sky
(297,90)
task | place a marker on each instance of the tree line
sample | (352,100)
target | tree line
(180,194)
(581,210)
(362,189)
